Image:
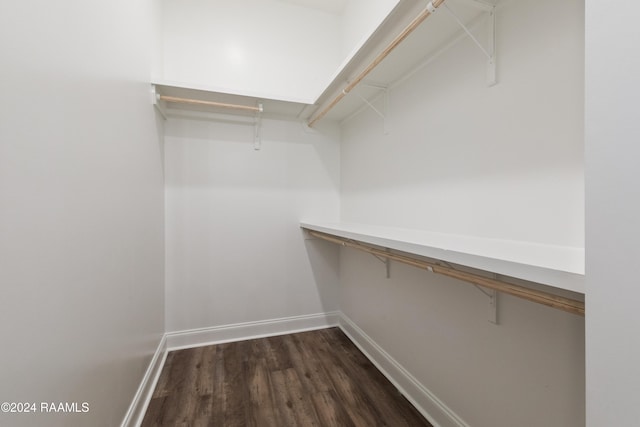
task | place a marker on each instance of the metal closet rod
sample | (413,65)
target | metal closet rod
(429,10)
(211,103)
(540,297)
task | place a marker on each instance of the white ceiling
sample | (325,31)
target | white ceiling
(330,6)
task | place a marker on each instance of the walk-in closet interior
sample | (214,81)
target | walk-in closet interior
(451,184)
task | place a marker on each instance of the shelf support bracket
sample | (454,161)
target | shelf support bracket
(490,52)
(387,264)
(491,66)
(492,294)
(493,307)
(155,100)
(257,128)
(385,109)
(386,261)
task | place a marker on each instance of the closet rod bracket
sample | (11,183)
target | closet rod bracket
(492,294)
(257,129)
(155,100)
(493,307)
(491,67)
(386,261)
(489,52)
(385,107)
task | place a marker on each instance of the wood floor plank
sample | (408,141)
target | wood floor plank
(262,412)
(309,369)
(234,392)
(275,353)
(317,378)
(283,399)
(155,412)
(302,404)
(330,410)
(206,370)
(218,403)
(391,405)
(162,387)
(203,411)
(360,409)
(176,399)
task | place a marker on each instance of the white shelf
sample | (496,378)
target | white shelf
(558,266)
(273,107)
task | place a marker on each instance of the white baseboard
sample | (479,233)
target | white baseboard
(141,400)
(424,400)
(250,330)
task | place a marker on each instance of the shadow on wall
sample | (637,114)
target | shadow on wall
(324,260)
(159,122)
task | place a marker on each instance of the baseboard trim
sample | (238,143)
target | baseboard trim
(250,330)
(424,400)
(141,400)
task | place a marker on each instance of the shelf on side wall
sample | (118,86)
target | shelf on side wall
(558,266)
(272,107)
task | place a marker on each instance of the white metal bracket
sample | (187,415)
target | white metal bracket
(155,100)
(491,67)
(257,128)
(386,262)
(493,307)
(489,52)
(385,107)
(493,303)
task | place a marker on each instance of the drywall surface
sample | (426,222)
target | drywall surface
(157,44)
(235,252)
(81,217)
(268,49)
(504,162)
(612,212)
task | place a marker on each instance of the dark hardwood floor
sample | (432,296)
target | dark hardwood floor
(316,378)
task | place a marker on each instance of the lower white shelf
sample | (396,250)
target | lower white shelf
(557,266)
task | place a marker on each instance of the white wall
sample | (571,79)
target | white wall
(81,196)
(612,212)
(157,41)
(503,162)
(261,48)
(235,252)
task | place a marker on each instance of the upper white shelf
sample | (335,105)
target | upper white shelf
(272,107)
(558,266)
